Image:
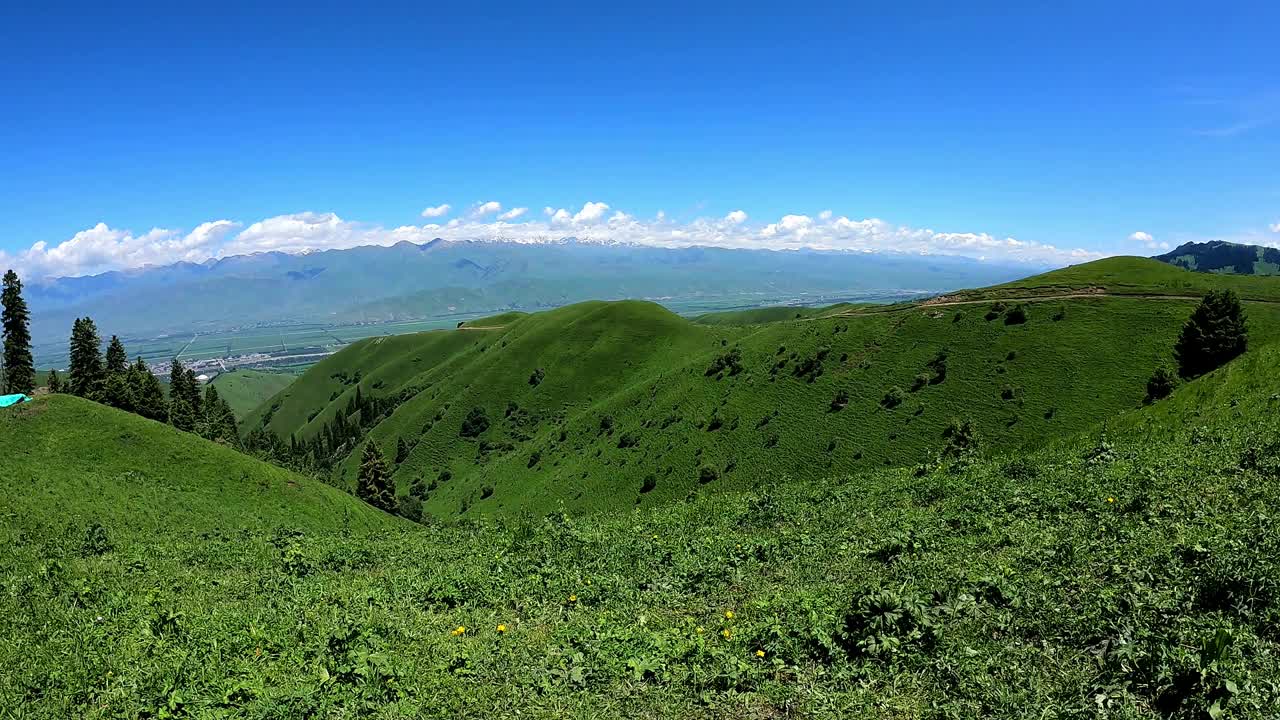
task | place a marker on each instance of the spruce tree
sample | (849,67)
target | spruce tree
(402,450)
(180,415)
(148,394)
(19,369)
(192,387)
(117,392)
(54,383)
(374,483)
(85,373)
(117,360)
(1213,335)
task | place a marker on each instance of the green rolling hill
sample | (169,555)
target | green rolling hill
(245,390)
(69,463)
(637,406)
(1129,573)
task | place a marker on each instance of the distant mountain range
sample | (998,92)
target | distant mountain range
(1225,257)
(441,278)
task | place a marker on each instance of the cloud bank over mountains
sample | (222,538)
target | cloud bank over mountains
(102,248)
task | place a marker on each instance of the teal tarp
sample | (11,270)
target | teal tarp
(7,400)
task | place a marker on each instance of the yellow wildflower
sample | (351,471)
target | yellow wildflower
(502,628)
(728,614)
(1111,499)
(461,629)
(573,598)
(759,653)
(725,632)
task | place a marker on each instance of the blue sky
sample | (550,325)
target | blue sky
(1072,128)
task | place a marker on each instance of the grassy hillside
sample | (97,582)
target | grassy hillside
(630,410)
(245,390)
(69,463)
(756,316)
(1128,577)
(1134,276)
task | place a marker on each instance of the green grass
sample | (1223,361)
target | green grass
(1138,276)
(245,390)
(756,316)
(68,462)
(645,369)
(1135,579)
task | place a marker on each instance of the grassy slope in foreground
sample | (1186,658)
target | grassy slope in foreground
(1136,579)
(245,390)
(643,370)
(68,462)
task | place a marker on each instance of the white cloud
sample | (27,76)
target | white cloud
(590,212)
(102,248)
(485,208)
(824,215)
(437,211)
(1143,237)
(1275,227)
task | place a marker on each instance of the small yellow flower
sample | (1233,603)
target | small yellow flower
(728,614)
(502,628)
(461,629)
(759,653)
(655,537)
(1111,499)
(588,582)
(573,598)
(725,632)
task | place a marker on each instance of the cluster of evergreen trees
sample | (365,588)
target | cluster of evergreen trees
(337,439)
(134,388)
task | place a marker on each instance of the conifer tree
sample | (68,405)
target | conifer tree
(374,483)
(402,450)
(55,382)
(1213,335)
(85,373)
(192,387)
(117,392)
(117,360)
(180,415)
(148,394)
(19,370)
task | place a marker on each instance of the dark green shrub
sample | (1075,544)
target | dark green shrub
(1016,315)
(410,508)
(1161,384)
(920,381)
(476,422)
(840,401)
(536,378)
(707,474)
(893,398)
(650,482)
(96,542)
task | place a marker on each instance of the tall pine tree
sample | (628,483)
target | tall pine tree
(85,373)
(374,483)
(148,394)
(19,370)
(55,382)
(117,360)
